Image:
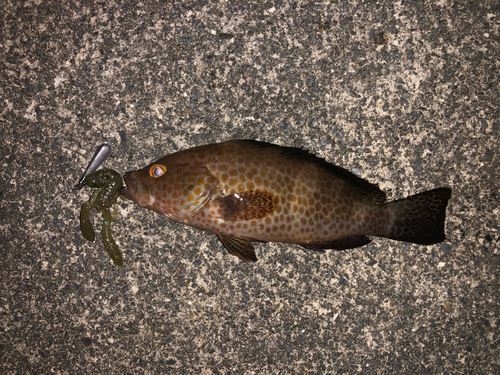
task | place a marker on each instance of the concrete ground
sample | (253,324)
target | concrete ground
(405,94)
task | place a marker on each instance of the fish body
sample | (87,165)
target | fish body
(248,191)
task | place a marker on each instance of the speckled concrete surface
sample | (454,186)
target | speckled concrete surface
(405,94)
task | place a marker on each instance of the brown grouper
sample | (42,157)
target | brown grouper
(248,191)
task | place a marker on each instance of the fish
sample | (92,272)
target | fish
(247,191)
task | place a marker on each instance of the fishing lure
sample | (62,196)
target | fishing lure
(101,154)
(107,183)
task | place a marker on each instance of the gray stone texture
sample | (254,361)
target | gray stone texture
(404,94)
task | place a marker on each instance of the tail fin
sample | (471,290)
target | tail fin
(420,218)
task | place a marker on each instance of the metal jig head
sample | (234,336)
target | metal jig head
(101,154)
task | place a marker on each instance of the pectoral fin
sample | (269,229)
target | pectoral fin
(247,205)
(240,247)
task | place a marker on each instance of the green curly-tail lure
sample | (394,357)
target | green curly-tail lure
(108,183)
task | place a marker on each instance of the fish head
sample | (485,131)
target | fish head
(178,190)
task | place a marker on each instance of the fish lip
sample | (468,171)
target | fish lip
(124,190)
(130,188)
(129,179)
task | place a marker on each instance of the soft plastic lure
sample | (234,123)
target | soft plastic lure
(107,183)
(99,157)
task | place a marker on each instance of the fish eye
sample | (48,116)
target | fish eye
(157,170)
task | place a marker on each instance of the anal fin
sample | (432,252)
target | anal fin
(343,243)
(240,247)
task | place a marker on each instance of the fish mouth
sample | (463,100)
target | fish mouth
(134,190)
(124,190)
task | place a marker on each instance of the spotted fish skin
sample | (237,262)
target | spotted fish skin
(247,191)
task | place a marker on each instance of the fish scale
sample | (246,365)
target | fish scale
(247,191)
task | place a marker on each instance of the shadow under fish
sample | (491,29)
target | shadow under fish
(249,191)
